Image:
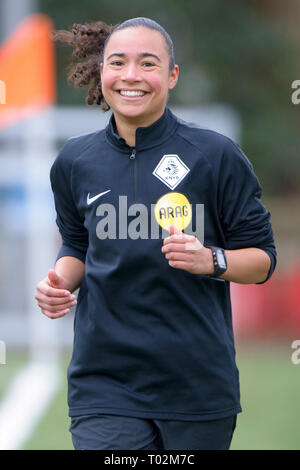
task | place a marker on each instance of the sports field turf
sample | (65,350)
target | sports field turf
(269,396)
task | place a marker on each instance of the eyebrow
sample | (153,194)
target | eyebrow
(142,54)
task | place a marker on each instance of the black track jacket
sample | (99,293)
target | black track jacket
(152,341)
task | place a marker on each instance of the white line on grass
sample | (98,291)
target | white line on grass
(25,402)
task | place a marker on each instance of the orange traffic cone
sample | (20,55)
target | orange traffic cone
(27,70)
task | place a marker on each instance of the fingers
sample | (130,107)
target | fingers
(182,251)
(56,310)
(54,302)
(53,315)
(178,256)
(53,277)
(179,238)
(179,247)
(56,307)
(174,230)
(52,295)
(180,265)
(49,291)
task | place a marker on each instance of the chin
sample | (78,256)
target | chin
(131,112)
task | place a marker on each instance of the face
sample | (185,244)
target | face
(135,74)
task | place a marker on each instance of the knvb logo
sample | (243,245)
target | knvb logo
(171,170)
(2,353)
(2,92)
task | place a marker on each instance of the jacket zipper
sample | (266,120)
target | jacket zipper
(135,175)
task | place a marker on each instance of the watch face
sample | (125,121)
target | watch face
(221,259)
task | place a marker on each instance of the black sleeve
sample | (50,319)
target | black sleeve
(246,221)
(70,224)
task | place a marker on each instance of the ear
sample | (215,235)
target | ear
(101,68)
(173,77)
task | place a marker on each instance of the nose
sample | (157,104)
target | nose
(131,73)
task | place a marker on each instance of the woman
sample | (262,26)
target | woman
(153,362)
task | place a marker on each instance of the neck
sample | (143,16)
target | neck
(127,129)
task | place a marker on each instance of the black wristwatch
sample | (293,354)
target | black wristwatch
(219,259)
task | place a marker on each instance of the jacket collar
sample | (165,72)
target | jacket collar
(146,137)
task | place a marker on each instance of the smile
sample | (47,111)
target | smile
(132,93)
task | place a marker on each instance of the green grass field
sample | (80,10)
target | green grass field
(269,396)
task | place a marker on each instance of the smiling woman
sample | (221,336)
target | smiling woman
(137,69)
(138,378)
(136,77)
(90,41)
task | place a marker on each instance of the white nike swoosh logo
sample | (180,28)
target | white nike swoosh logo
(92,199)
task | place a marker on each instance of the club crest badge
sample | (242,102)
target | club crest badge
(171,170)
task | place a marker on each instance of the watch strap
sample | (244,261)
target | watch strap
(218,270)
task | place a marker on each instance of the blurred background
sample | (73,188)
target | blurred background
(238,60)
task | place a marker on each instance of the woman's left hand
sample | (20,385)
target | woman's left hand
(187,252)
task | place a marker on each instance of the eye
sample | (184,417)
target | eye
(148,64)
(117,63)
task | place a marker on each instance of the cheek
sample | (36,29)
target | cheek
(157,82)
(108,78)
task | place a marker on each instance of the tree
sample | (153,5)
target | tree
(227,52)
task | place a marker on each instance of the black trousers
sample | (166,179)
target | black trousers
(103,432)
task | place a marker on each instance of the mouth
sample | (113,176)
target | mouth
(133,94)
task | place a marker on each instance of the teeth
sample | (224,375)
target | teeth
(131,93)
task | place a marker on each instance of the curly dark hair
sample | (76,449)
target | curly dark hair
(89,41)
